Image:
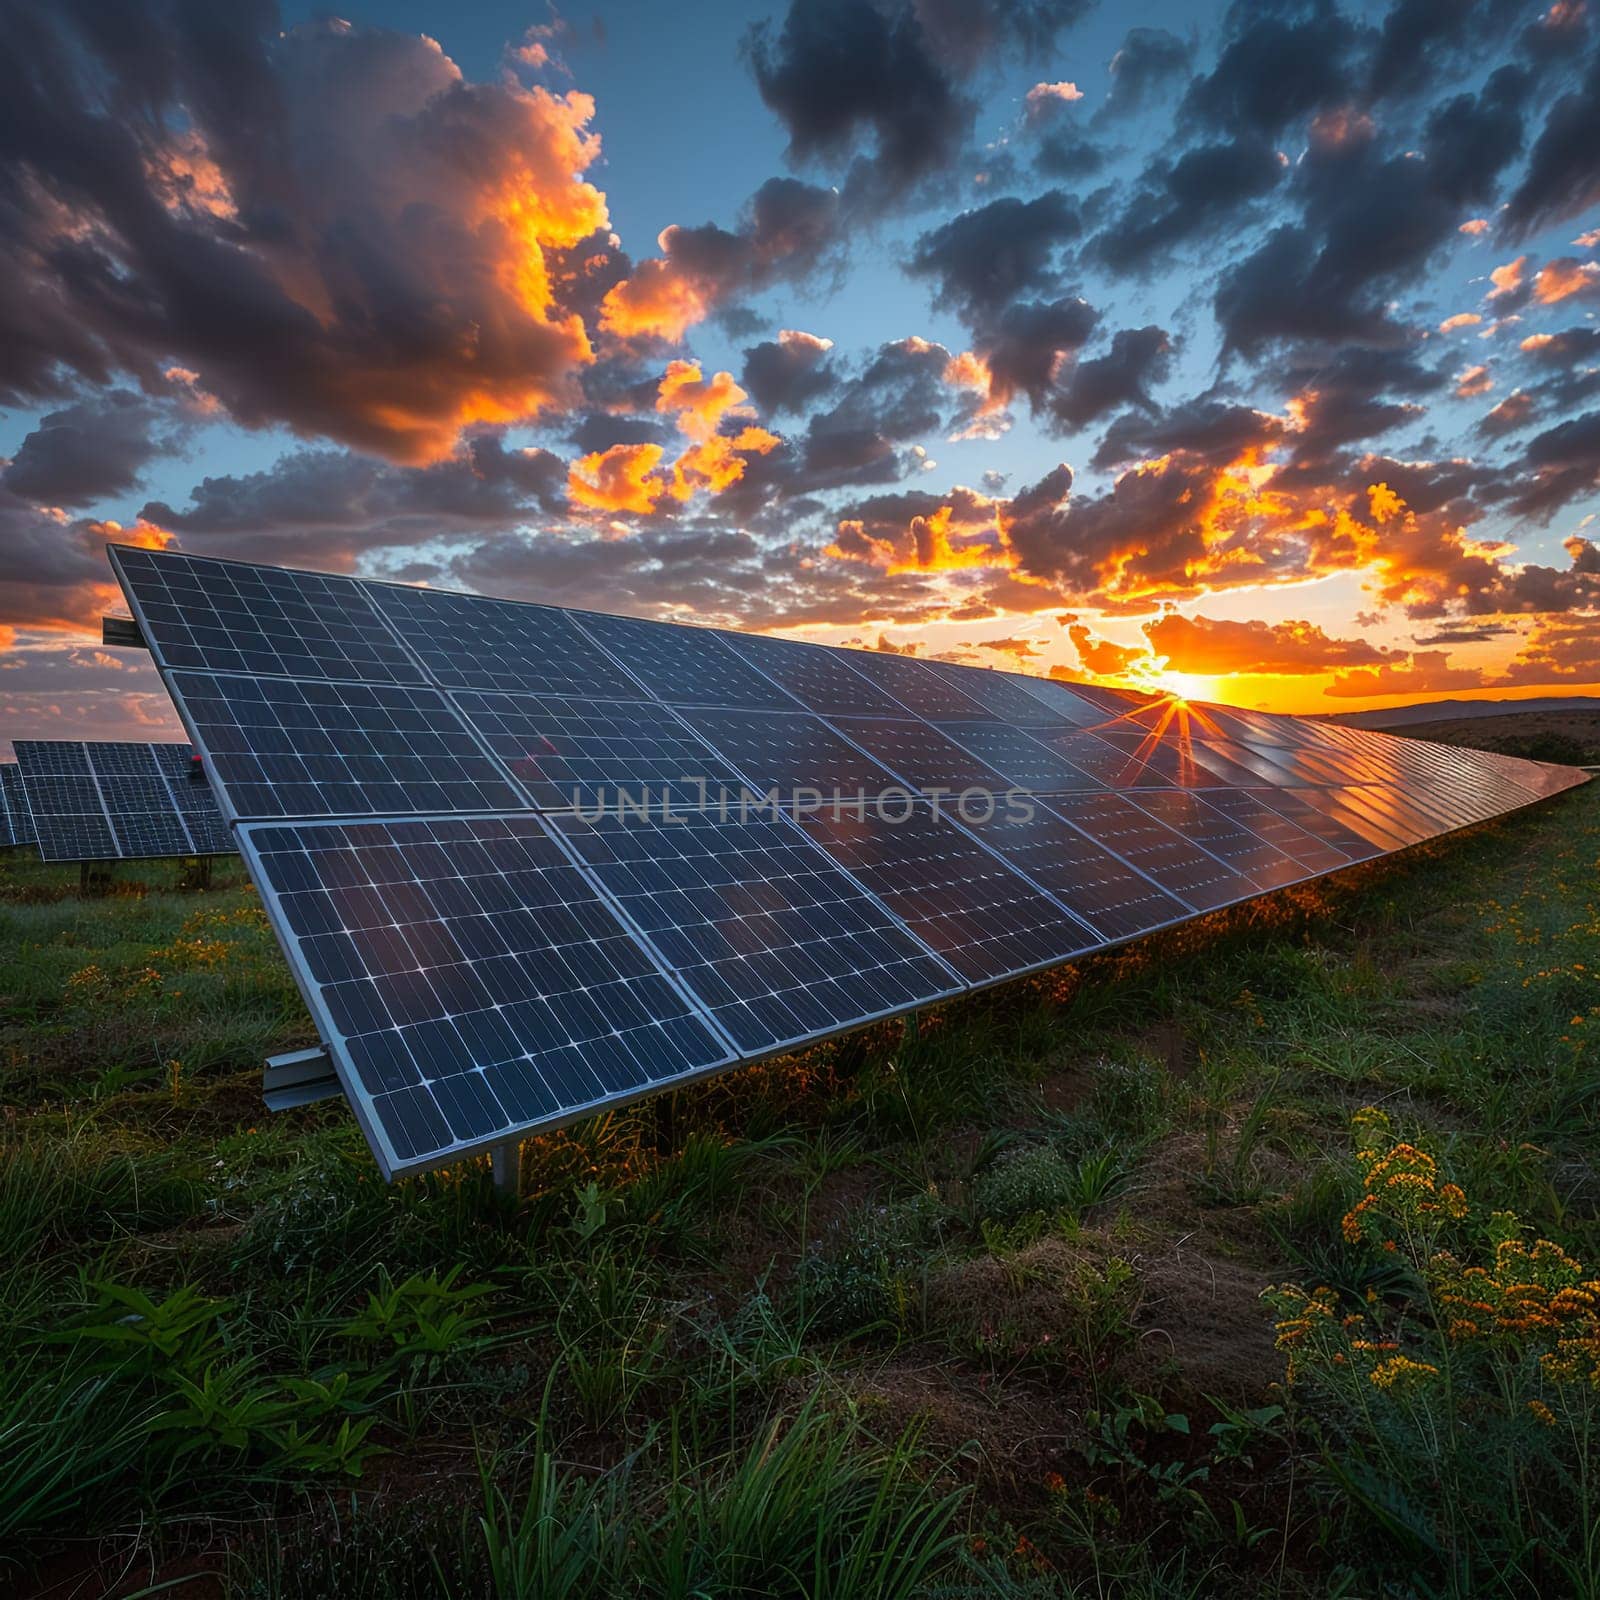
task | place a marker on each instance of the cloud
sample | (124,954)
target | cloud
(1514,412)
(788,373)
(93,449)
(1566,278)
(785,232)
(1148,60)
(985,259)
(844,74)
(1137,358)
(1218,647)
(1561,178)
(331,226)
(1103,657)
(1186,200)
(328,508)
(1421,672)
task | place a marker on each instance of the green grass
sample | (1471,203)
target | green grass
(973,1311)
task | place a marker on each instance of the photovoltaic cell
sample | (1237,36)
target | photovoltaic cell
(1100,889)
(1180,867)
(224,616)
(819,678)
(1059,702)
(920,754)
(1189,814)
(1312,854)
(276,747)
(1021,760)
(774,941)
(468,979)
(569,752)
(466,642)
(18,824)
(786,751)
(915,685)
(686,666)
(1104,762)
(996,693)
(958,898)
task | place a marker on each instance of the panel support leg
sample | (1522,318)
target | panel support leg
(909,1036)
(506,1160)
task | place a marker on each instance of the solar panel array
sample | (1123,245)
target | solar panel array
(16,821)
(529,862)
(113,801)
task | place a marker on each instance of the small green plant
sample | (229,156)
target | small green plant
(1036,1178)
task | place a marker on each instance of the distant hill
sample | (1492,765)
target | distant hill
(1567,733)
(1461,710)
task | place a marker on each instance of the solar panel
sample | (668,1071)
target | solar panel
(526,862)
(819,678)
(281,747)
(1059,702)
(1178,865)
(774,941)
(686,666)
(917,752)
(960,899)
(785,752)
(465,642)
(1114,899)
(469,979)
(568,752)
(1020,759)
(14,805)
(224,616)
(914,684)
(997,694)
(1185,812)
(111,801)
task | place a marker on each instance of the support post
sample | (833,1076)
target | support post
(909,1036)
(506,1161)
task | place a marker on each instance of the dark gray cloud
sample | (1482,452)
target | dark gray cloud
(1026,344)
(1563,172)
(788,373)
(1279,62)
(1148,60)
(92,449)
(843,74)
(1186,199)
(984,259)
(1138,357)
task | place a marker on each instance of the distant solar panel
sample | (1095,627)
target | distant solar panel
(528,863)
(113,801)
(18,819)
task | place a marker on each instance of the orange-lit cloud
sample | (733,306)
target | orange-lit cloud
(1564,278)
(622,478)
(1462,319)
(1471,381)
(1104,657)
(1507,279)
(659,301)
(697,404)
(1422,672)
(1218,647)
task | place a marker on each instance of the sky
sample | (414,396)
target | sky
(1243,351)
